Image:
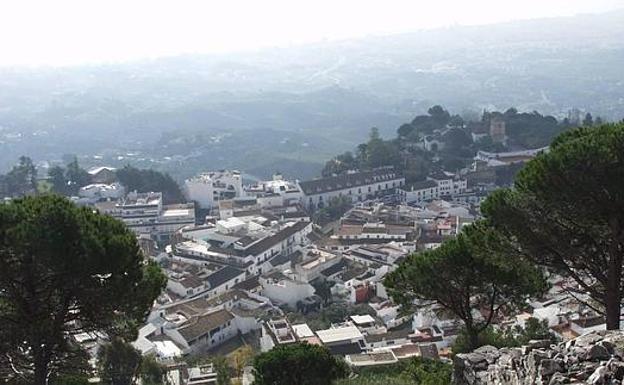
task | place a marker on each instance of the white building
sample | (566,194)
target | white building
(101,191)
(448,183)
(245,244)
(342,340)
(357,186)
(314,262)
(420,192)
(372,233)
(199,324)
(276,192)
(283,289)
(207,189)
(144,213)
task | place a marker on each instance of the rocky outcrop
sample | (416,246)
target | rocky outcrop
(595,358)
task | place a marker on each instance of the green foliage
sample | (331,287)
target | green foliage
(379,153)
(21,180)
(429,372)
(414,371)
(151,371)
(322,288)
(298,364)
(565,212)
(335,312)
(436,119)
(487,144)
(530,130)
(61,263)
(340,164)
(465,274)
(336,207)
(76,177)
(488,336)
(69,180)
(405,153)
(118,363)
(534,329)
(71,380)
(517,336)
(150,180)
(372,154)
(222,369)
(455,139)
(58,180)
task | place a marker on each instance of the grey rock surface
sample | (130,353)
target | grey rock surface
(595,358)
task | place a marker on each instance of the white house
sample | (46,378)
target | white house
(208,188)
(282,289)
(448,183)
(419,192)
(276,192)
(99,191)
(144,213)
(342,340)
(357,186)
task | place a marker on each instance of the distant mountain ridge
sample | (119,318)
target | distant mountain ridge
(303,104)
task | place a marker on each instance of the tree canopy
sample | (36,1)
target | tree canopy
(464,276)
(21,180)
(118,363)
(69,180)
(408,155)
(64,270)
(298,364)
(566,209)
(335,208)
(150,180)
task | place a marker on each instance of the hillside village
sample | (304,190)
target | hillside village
(253,265)
(312,193)
(248,266)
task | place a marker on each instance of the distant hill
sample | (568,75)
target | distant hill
(294,107)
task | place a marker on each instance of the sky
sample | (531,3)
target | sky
(72,32)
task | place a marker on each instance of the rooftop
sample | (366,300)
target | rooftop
(372,358)
(362,319)
(303,331)
(421,185)
(198,326)
(346,181)
(97,170)
(268,242)
(339,334)
(223,275)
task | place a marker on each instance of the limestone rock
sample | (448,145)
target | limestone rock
(594,358)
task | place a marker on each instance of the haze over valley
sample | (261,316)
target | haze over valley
(290,109)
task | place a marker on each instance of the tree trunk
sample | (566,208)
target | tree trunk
(473,337)
(613,296)
(41,368)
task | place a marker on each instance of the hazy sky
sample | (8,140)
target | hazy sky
(61,32)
